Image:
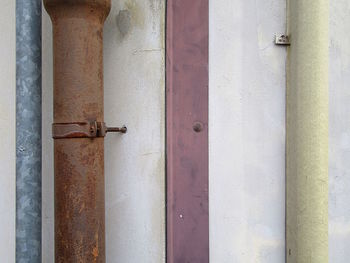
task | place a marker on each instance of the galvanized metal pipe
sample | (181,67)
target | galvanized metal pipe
(307,132)
(28,131)
(78,98)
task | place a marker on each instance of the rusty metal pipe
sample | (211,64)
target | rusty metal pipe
(78,98)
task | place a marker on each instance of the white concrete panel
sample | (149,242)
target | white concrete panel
(134,162)
(7,130)
(339,133)
(247,131)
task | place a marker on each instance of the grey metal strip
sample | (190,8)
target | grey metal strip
(28,131)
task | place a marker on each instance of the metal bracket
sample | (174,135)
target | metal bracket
(92,129)
(282,39)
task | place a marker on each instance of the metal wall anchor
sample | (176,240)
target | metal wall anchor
(282,39)
(92,129)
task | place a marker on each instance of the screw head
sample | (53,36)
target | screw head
(198,126)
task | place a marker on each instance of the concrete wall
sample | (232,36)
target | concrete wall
(7,130)
(134,162)
(339,132)
(247,93)
(247,89)
(247,131)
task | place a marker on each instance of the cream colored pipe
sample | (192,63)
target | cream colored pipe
(307,132)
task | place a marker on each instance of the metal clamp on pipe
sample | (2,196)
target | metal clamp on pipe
(92,129)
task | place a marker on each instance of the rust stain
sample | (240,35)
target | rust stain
(95,251)
(137,13)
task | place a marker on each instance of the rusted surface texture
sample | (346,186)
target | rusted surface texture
(78,8)
(83,130)
(187,131)
(78,76)
(79,200)
(74,130)
(78,97)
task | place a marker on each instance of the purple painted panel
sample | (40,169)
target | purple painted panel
(187,131)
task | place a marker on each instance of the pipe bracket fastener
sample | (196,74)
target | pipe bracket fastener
(282,39)
(92,129)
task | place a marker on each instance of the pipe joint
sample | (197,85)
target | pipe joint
(86,8)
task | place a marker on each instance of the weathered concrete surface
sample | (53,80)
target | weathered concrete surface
(7,130)
(246,131)
(134,162)
(339,132)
